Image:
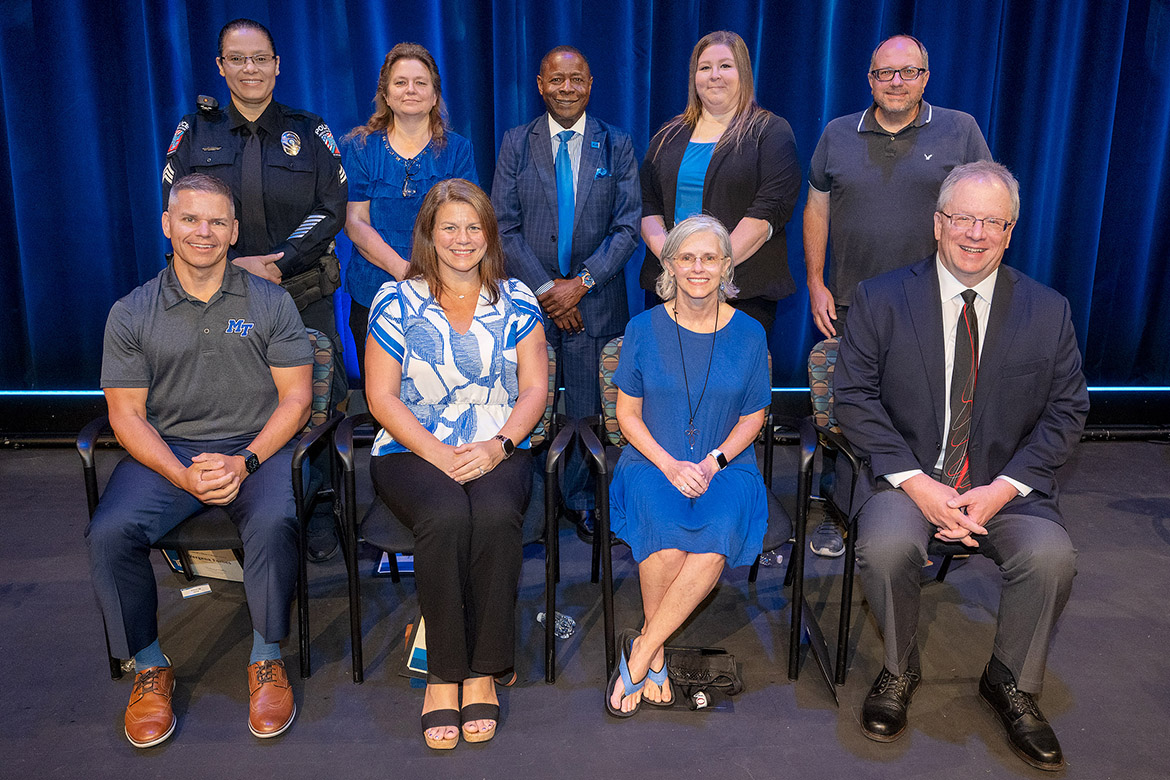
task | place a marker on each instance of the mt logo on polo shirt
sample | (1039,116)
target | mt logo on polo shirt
(239,326)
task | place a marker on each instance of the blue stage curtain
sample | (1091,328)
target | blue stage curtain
(1073,96)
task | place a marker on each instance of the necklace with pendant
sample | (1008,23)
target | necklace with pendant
(691,431)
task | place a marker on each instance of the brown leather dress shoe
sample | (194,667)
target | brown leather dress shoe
(271,708)
(149,717)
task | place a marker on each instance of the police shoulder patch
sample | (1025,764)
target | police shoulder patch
(182,128)
(326,137)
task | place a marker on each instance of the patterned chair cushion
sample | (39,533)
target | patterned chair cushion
(322,378)
(541,432)
(610,354)
(821,362)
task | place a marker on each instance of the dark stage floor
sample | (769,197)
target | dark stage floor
(1107,694)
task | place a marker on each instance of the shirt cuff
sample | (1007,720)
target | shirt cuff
(898,477)
(1020,487)
(544,288)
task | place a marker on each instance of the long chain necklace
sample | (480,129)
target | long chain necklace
(691,431)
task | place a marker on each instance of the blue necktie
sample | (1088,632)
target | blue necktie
(564,203)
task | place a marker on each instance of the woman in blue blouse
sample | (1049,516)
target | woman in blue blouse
(728,158)
(458,377)
(392,161)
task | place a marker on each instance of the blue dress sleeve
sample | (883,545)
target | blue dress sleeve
(463,159)
(386,321)
(758,388)
(628,376)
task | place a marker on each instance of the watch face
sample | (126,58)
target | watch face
(509,447)
(251,463)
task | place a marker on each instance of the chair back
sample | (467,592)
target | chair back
(610,354)
(821,362)
(544,428)
(322,378)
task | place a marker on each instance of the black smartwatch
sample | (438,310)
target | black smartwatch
(251,462)
(720,458)
(509,447)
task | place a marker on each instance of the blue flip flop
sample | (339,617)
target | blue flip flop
(658,677)
(625,647)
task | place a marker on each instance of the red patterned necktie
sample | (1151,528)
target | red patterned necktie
(956,469)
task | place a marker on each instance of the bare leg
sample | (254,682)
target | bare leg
(655,575)
(694,580)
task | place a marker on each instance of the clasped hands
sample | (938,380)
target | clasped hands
(959,516)
(560,303)
(470,461)
(689,478)
(214,478)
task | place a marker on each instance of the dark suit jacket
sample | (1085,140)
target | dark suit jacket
(1030,395)
(606,217)
(760,179)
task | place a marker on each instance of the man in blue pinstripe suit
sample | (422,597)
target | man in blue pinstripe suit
(570,243)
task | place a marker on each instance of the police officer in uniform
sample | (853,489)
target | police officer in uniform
(285,171)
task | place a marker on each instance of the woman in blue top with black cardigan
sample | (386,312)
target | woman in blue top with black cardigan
(392,161)
(726,157)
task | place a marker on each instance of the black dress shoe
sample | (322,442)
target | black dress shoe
(883,715)
(584,520)
(321,544)
(1028,732)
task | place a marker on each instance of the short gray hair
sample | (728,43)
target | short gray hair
(912,39)
(980,169)
(665,287)
(202,182)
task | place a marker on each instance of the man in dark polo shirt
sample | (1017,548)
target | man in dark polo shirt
(872,185)
(207,372)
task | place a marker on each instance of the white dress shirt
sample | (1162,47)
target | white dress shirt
(951,295)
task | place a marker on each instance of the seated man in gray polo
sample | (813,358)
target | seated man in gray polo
(207,372)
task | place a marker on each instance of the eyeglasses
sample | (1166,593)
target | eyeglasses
(907,74)
(411,169)
(993,225)
(708,261)
(259,60)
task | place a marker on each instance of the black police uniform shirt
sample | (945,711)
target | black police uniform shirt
(304,185)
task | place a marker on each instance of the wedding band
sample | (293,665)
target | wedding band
(481,471)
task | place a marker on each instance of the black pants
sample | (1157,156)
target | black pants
(359,325)
(467,556)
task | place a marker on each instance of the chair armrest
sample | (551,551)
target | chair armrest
(309,441)
(343,438)
(839,443)
(594,452)
(87,439)
(557,449)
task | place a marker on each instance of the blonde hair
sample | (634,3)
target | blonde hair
(749,116)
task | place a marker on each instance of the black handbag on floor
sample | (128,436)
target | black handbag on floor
(710,669)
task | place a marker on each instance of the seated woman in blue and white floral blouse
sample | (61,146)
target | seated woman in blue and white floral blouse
(457,377)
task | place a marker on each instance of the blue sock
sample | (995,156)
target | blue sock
(151,655)
(263,651)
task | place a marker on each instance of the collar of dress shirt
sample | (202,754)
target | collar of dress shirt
(949,287)
(554,128)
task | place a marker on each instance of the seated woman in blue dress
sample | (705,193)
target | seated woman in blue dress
(687,495)
(458,377)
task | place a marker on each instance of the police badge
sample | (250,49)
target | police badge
(291,143)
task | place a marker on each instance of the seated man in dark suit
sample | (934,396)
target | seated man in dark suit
(959,382)
(207,372)
(567,197)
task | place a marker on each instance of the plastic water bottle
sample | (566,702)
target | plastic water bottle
(563,625)
(771,558)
